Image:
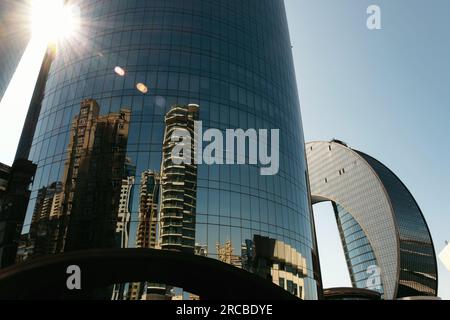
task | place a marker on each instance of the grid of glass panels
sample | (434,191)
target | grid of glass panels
(384,209)
(358,251)
(232,58)
(418,267)
(339,174)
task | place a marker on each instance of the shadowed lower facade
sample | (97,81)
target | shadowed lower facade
(386,240)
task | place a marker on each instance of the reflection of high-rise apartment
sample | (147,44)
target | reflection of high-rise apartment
(124,218)
(125,205)
(92,183)
(147,233)
(44,228)
(225,254)
(93,176)
(176,209)
(148,210)
(179,184)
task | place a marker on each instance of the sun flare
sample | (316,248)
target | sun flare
(52,20)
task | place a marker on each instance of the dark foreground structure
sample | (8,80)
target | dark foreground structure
(46,278)
(350,294)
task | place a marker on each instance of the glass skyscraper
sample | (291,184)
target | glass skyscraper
(14,36)
(109,93)
(386,240)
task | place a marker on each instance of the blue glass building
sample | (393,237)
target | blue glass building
(14,36)
(233,59)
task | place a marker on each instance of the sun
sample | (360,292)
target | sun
(53,21)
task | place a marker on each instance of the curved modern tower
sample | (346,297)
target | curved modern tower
(382,228)
(106,100)
(14,36)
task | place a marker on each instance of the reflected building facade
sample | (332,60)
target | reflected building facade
(179,183)
(82,211)
(167,204)
(225,254)
(233,59)
(147,234)
(92,177)
(14,37)
(386,240)
(46,220)
(270,259)
(125,205)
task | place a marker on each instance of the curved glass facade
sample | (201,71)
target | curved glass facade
(418,266)
(386,239)
(14,37)
(108,100)
(358,251)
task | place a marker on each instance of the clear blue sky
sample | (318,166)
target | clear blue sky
(385,92)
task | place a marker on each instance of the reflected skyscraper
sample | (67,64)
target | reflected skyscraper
(125,205)
(93,177)
(232,58)
(46,220)
(225,254)
(147,234)
(168,221)
(82,211)
(179,183)
(148,229)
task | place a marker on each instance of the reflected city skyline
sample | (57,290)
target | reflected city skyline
(148,59)
(82,211)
